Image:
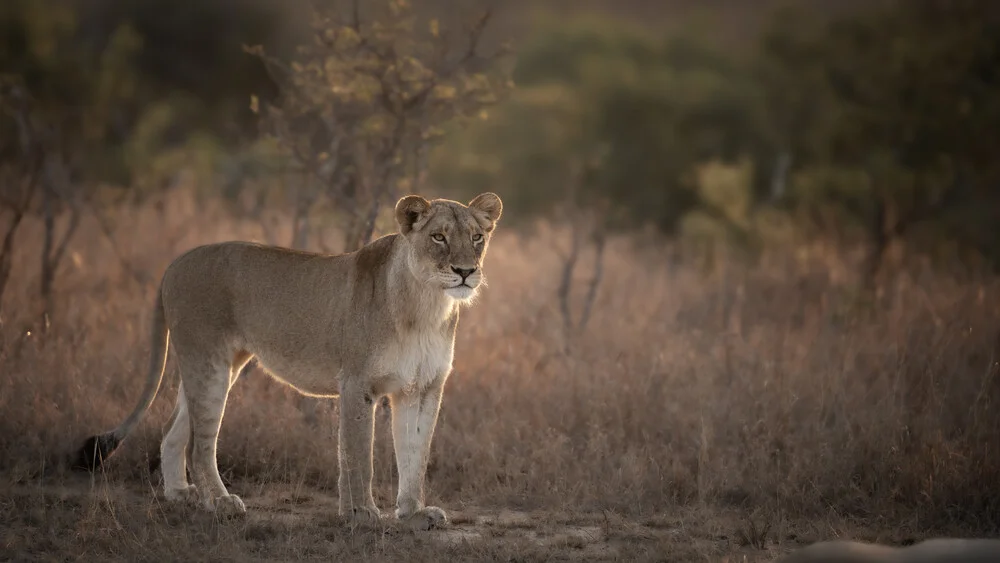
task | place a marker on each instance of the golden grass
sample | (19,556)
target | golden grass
(774,395)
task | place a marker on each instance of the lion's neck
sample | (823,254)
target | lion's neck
(414,304)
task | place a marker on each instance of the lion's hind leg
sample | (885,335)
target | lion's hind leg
(206,388)
(174,453)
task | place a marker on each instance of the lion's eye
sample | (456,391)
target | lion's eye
(477,237)
(438,237)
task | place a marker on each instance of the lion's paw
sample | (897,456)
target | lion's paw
(364,517)
(186,495)
(227,506)
(426,518)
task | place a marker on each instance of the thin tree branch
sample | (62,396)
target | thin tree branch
(595,281)
(60,249)
(102,223)
(6,253)
(566,283)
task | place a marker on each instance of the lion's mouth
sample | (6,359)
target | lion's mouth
(461,291)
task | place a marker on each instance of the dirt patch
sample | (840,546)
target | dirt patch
(113,521)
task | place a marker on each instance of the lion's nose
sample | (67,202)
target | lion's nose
(464,272)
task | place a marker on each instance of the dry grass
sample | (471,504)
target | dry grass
(698,416)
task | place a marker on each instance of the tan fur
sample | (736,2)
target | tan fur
(930,551)
(376,322)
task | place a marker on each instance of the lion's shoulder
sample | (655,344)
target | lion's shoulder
(376,256)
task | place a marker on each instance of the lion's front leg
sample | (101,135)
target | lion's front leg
(414,416)
(357,429)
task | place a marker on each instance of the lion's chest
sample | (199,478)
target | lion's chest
(415,361)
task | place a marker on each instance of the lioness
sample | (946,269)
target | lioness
(930,551)
(377,322)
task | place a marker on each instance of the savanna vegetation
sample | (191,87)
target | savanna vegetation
(744,295)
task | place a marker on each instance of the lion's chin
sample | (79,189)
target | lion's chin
(460,293)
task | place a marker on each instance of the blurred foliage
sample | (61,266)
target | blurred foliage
(89,121)
(59,99)
(890,117)
(110,85)
(364,97)
(876,126)
(606,116)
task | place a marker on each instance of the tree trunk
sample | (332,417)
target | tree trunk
(300,222)
(566,283)
(595,281)
(52,255)
(881,235)
(368,225)
(53,249)
(6,254)
(18,203)
(48,242)
(353,229)
(779,178)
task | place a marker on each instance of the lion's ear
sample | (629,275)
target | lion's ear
(409,210)
(488,204)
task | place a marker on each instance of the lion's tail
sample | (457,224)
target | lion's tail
(98,448)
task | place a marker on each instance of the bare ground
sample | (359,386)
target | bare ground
(84,518)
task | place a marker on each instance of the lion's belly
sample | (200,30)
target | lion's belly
(311,378)
(413,363)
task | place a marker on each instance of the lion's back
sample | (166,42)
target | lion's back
(221,284)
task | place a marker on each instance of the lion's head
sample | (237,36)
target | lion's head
(447,240)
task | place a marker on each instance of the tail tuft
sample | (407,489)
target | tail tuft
(95,451)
